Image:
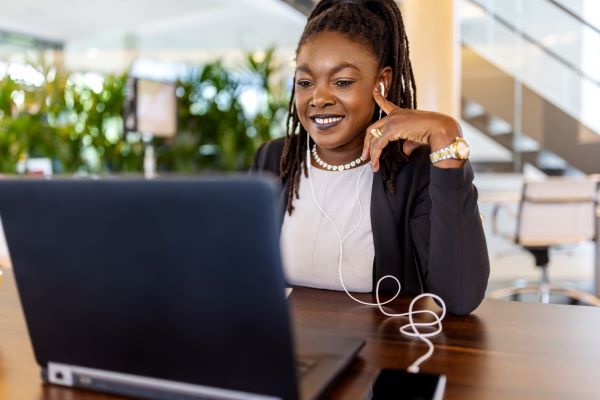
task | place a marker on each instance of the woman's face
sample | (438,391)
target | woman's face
(335,78)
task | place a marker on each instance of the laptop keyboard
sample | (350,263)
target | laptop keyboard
(305,363)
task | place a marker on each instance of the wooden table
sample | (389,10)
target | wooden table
(503,351)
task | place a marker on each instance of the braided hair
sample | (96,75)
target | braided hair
(378,25)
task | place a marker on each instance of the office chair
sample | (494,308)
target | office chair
(555,212)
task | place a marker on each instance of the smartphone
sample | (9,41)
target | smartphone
(400,384)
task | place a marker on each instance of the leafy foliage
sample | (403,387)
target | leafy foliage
(80,127)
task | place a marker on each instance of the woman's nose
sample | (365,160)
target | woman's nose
(322,96)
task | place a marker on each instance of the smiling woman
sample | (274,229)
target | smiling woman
(423,228)
(331,66)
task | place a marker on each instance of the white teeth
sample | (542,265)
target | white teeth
(327,120)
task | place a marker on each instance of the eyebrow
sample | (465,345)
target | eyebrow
(338,68)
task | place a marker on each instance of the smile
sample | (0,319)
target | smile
(326,122)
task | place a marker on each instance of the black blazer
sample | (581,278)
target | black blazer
(428,234)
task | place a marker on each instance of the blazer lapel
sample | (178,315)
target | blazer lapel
(386,240)
(390,223)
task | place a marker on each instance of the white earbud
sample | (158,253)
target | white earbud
(382,91)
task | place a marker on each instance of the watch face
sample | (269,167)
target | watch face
(463,150)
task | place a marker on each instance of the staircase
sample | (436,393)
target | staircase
(540,127)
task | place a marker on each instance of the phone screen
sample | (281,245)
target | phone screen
(399,384)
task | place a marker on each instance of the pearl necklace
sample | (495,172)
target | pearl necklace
(330,167)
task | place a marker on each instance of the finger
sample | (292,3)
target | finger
(383,103)
(376,149)
(369,137)
(409,146)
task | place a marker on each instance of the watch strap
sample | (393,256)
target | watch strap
(446,153)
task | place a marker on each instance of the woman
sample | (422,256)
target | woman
(420,222)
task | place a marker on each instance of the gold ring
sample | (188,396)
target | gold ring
(376,133)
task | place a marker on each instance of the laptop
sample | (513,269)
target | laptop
(162,289)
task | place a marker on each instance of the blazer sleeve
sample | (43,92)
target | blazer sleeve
(267,157)
(258,162)
(448,238)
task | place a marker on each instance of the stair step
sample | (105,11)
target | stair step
(493,166)
(471,109)
(482,123)
(505,140)
(554,128)
(498,126)
(530,157)
(481,120)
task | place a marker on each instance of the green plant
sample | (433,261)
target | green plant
(79,124)
(211,125)
(27,127)
(215,131)
(98,128)
(270,122)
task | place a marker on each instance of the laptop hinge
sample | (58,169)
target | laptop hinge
(140,386)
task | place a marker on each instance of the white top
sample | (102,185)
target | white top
(309,243)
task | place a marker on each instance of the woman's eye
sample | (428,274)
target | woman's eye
(343,83)
(303,83)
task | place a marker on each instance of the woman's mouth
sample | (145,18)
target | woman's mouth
(324,122)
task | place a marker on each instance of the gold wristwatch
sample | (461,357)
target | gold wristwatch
(458,150)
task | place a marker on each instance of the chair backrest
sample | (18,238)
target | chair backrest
(557,211)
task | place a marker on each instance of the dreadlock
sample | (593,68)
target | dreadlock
(377,24)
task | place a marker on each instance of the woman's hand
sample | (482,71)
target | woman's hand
(418,128)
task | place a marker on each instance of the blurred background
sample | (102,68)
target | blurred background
(188,86)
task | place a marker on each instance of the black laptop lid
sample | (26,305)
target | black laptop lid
(177,279)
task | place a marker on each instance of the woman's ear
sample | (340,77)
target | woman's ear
(384,81)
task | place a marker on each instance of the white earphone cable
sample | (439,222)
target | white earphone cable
(410,329)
